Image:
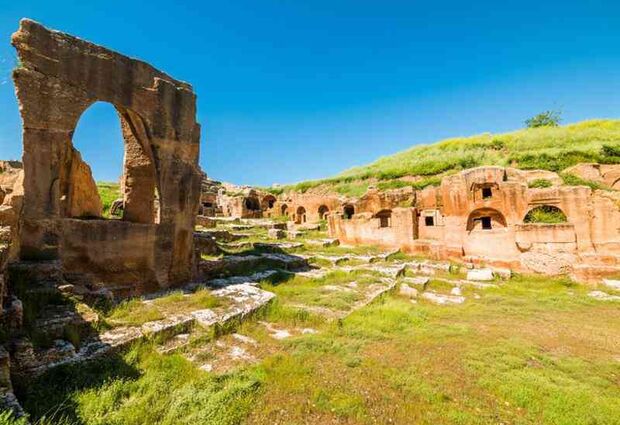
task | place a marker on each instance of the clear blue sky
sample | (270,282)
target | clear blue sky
(293,90)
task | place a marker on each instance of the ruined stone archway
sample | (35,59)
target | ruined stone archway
(348,211)
(485,219)
(58,78)
(138,183)
(284,210)
(300,217)
(251,203)
(269,201)
(323,211)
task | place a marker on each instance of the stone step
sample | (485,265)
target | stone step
(36,273)
(240,264)
(243,300)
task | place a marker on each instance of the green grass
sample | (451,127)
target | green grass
(108,192)
(547,148)
(141,387)
(573,180)
(540,184)
(299,290)
(135,312)
(526,352)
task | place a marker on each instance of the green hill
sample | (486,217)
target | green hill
(547,148)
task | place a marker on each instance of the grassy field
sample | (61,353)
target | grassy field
(529,350)
(548,148)
(532,351)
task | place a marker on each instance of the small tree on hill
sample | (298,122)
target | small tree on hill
(544,119)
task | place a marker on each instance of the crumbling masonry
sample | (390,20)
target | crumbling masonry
(59,77)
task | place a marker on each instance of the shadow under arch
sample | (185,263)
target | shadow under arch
(485,219)
(323,211)
(300,217)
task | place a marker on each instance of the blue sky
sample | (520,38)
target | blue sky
(292,90)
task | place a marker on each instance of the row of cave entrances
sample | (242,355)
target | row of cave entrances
(483,218)
(300,214)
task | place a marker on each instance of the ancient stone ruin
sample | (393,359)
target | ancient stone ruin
(175,232)
(56,248)
(486,215)
(59,77)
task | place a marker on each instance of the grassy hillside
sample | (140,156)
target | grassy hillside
(109,192)
(548,148)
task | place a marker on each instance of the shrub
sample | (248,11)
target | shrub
(610,150)
(544,119)
(540,184)
(497,145)
(545,214)
(392,184)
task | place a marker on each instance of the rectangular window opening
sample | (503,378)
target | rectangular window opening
(429,221)
(486,223)
(487,193)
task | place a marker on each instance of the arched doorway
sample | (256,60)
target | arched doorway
(547,214)
(348,212)
(485,219)
(251,204)
(385,218)
(323,211)
(284,210)
(122,163)
(268,202)
(300,217)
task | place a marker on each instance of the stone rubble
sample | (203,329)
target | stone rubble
(603,296)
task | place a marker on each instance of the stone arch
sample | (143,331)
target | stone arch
(139,182)
(348,211)
(548,214)
(300,216)
(323,211)
(251,203)
(385,218)
(60,76)
(268,202)
(284,210)
(485,219)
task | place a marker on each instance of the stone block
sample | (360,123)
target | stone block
(276,233)
(480,274)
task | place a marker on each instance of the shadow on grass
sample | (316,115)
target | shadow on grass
(51,395)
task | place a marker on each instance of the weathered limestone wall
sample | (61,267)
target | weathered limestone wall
(364,228)
(90,251)
(11,199)
(59,77)
(375,200)
(478,216)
